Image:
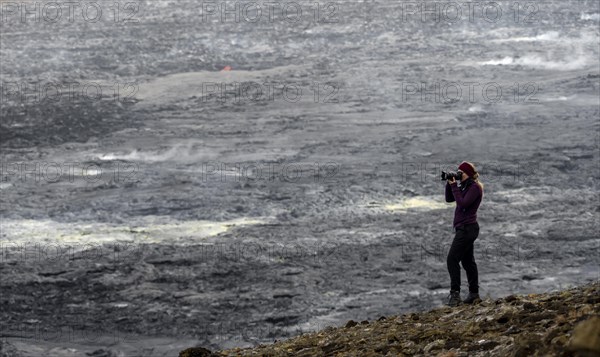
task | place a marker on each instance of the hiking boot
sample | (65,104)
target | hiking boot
(472,298)
(453,298)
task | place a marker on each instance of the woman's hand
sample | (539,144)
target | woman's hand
(451,180)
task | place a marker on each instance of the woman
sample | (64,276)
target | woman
(468,195)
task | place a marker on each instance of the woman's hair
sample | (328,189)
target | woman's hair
(475,177)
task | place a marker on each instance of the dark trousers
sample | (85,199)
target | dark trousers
(461,251)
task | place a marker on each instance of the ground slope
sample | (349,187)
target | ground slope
(564,323)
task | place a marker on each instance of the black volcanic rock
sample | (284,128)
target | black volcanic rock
(196,352)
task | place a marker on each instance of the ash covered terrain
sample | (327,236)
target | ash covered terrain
(174,175)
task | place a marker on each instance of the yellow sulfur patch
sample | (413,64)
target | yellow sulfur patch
(153,229)
(418,203)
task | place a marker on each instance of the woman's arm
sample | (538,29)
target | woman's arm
(465,201)
(449,195)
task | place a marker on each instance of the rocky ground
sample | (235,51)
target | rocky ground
(564,323)
(229,221)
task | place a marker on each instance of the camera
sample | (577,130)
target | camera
(449,175)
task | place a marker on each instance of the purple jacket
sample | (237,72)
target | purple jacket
(467,197)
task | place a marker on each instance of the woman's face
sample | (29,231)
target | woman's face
(463,176)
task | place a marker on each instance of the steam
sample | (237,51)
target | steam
(536,61)
(593,17)
(548,36)
(181,153)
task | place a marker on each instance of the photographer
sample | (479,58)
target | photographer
(467,194)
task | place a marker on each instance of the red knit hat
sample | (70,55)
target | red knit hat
(467,168)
